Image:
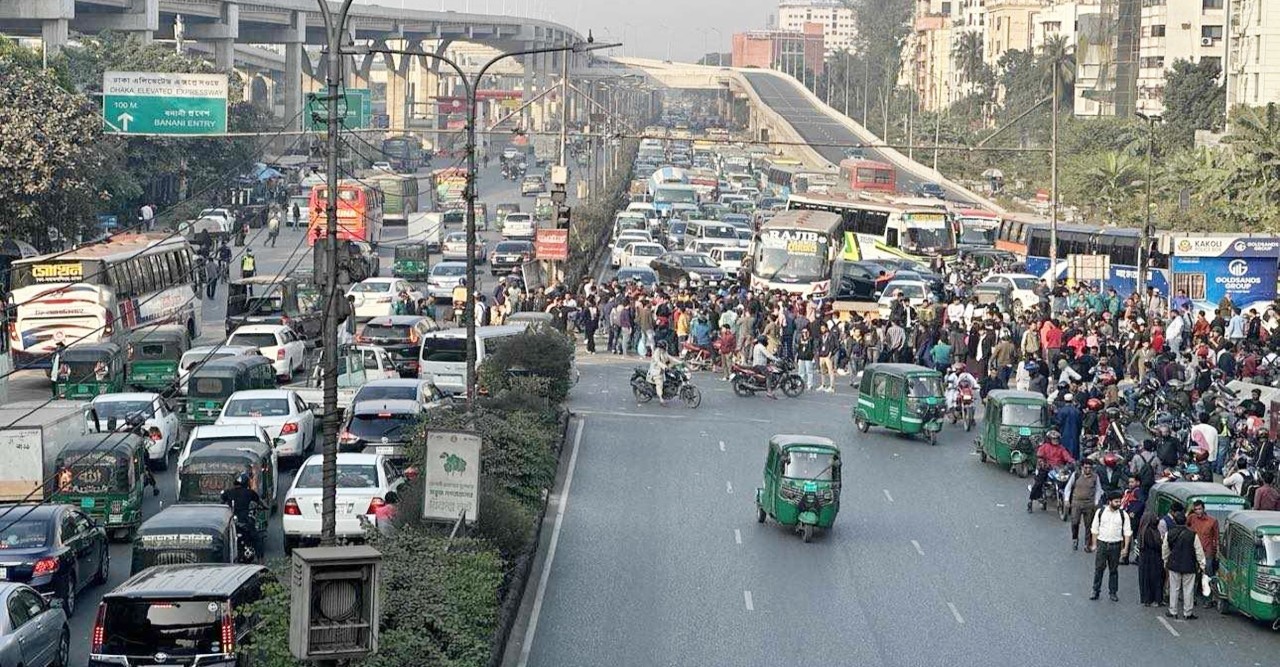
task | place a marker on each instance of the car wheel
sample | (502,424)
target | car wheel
(64,649)
(68,594)
(104,571)
(290,543)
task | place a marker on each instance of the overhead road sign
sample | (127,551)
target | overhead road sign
(159,103)
(355,109)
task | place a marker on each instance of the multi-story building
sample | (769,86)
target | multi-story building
(927,63)
(835,17)
(1091,36)
(1172,30)
(790,51)
(1009,26)
(1252,66)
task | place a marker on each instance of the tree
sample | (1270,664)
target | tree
(1056,56)
(973,69)
(1254,183)
(882,29)
(1193,100)
(1115,180)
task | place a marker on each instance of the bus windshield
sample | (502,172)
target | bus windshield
(792,254)
(930,238)
(676,195)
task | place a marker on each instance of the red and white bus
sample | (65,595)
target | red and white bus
(359,213)
(869,175)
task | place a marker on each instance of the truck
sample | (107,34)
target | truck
(33,435)
(427,228)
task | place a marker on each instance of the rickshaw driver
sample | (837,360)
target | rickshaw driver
(243,500)
(959,376)
(1049,455)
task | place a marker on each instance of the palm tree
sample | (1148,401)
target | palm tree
(1255,136)
(1057,56)
(1115,180)
(967,54)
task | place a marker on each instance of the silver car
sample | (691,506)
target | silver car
(444,277)
(33,632)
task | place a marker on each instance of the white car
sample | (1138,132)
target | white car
(638,255)
(208,434)
(455,247)
(1022,286)
(620,244)
(280,412)
(364,480)
(161,425)
(423,391)
(376,297)
(382,166)
(915,291)
(224,213)
(519,226)
(277,342)
(204,354)
(444,277)
(729,259)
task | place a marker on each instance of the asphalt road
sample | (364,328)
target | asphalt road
(32,385)
(817,127)
(657,558)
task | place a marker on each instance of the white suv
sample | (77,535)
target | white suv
(364,480)
(1023,286)
(277,342)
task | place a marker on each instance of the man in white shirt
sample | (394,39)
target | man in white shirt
(1111,535)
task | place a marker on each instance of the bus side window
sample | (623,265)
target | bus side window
(891,237)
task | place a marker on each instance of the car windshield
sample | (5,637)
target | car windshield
(23,535)
(150,627)
(677,228)
(733,255)
(253,339)
(1269,551)
(350,476)
(123,409)
(510,247)
(719,232)
(808,465)
(386,393)
(642,277)
(451,349)
(448,270)
(385,332)
(1022,415)
(370,288)
(646,249)
(393,425)
(257,407)
(697,262)
(1024,283)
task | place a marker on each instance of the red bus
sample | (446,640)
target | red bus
(359,213)
(869,175)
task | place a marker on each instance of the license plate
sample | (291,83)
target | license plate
(386,451)
(115,518)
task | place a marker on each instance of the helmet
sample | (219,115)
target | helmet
(1053,435)
(242,479)
(1093,404)
(1110,459)
(1032,366)
(1199,454)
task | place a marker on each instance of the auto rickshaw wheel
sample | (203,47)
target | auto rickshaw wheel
(932,437)
(760,515)
(863,425)
(1020,469)
(1224,607)
(806,533)
(982,454)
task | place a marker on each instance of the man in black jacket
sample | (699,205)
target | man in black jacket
(1184,558)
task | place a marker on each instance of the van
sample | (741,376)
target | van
(178,614)
(442,356)
(711,231)
(518,227)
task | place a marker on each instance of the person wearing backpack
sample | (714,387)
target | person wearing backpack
(1145,465)
(1111,536)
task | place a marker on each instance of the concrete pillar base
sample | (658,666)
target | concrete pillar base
(224,54)
(53,32)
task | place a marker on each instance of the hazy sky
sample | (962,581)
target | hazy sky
(646,27)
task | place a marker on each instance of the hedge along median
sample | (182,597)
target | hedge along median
(593,222)
(446,603)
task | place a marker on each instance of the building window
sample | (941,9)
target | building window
(1216,60)
(946,9)
(1157,30)
(1212,4)
(1211,31)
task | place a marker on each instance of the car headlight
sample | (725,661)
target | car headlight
(694,275)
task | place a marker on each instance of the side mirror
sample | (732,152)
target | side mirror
(276,442)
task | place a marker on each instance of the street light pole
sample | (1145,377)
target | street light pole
(1053,190)
(1144,244)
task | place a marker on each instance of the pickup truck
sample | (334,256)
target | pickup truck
(35,434)
(357,365)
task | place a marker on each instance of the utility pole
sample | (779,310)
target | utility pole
(1144,244)
(1053,190)
(335,31)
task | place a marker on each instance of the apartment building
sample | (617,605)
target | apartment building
(1172,30)
(834,16)
(926,59)
(1253,63)
(1009,25)
(790,51)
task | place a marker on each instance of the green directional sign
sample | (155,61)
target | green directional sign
(355,109)
(164,104)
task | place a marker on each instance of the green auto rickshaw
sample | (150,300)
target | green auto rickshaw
(85,371)
(153,355)
(412,262)
(185,534)
(209,386)
(801,483)
(1219,501)
(1013,426)
(208,472)
(104,475)
(900,397)
(1248,579)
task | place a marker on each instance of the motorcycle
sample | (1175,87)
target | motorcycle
(697,358)
(964,410)
(746,380)
(675,385)
(246,538)
(1058,478)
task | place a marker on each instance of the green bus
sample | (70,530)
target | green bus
(399,196)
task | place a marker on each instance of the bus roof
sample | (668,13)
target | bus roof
(114,247)
(817,221)
(873,164)
(852,200)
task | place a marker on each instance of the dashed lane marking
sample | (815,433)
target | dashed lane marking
(746,596)
(955,613)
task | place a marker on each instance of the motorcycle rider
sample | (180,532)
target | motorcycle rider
(658,365)
(243,500)
(957,378)
(760,360)
(1167,447)
(1049,455)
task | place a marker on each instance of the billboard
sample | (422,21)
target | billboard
(1210,268)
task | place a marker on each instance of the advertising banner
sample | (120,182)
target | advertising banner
(452,487)
(1210,268)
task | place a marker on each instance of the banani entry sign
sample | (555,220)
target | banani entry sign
(452,487)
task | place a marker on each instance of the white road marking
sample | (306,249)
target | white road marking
(527,646)
(917,546)
(746,595)
(886,495)
(1167,626)
(956,613)
(737,536)
(728,487)
(722,445)
(655,415)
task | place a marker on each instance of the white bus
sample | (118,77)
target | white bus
(794,252)
(876,228)
(101,292)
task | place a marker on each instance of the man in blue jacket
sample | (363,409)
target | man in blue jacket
(1068,420)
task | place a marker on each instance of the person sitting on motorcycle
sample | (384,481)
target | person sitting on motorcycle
(1253,405)
(1093,425)
(658,365)
(957,378)
(760,359)
(243,500)
(1049,455)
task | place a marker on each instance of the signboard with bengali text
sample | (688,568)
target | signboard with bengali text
(552,244)
(452,476)
(165,104)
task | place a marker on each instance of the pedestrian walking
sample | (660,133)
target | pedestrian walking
(148,216)
(828,347)
(273,229)
(1111,537)
(212,273)
(296,214)
(1083,492)
(1150,558)
(1184,558)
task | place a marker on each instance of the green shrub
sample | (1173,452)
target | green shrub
(541,352)
(503,521)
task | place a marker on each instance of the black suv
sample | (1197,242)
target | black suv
(400,336)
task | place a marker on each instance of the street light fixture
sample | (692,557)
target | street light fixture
(1144,245)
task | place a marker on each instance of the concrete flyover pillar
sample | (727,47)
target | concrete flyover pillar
(53,34)
(526,91)
(398,97)
(139,17)
(290,82)
(223,33)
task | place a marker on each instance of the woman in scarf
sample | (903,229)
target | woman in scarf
(1150,559)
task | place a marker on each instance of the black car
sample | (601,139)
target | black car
(380,426)
(400,336)
(55,549)
(855,281)
(647,278)
(930,189)
(692,268)
(507,255)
